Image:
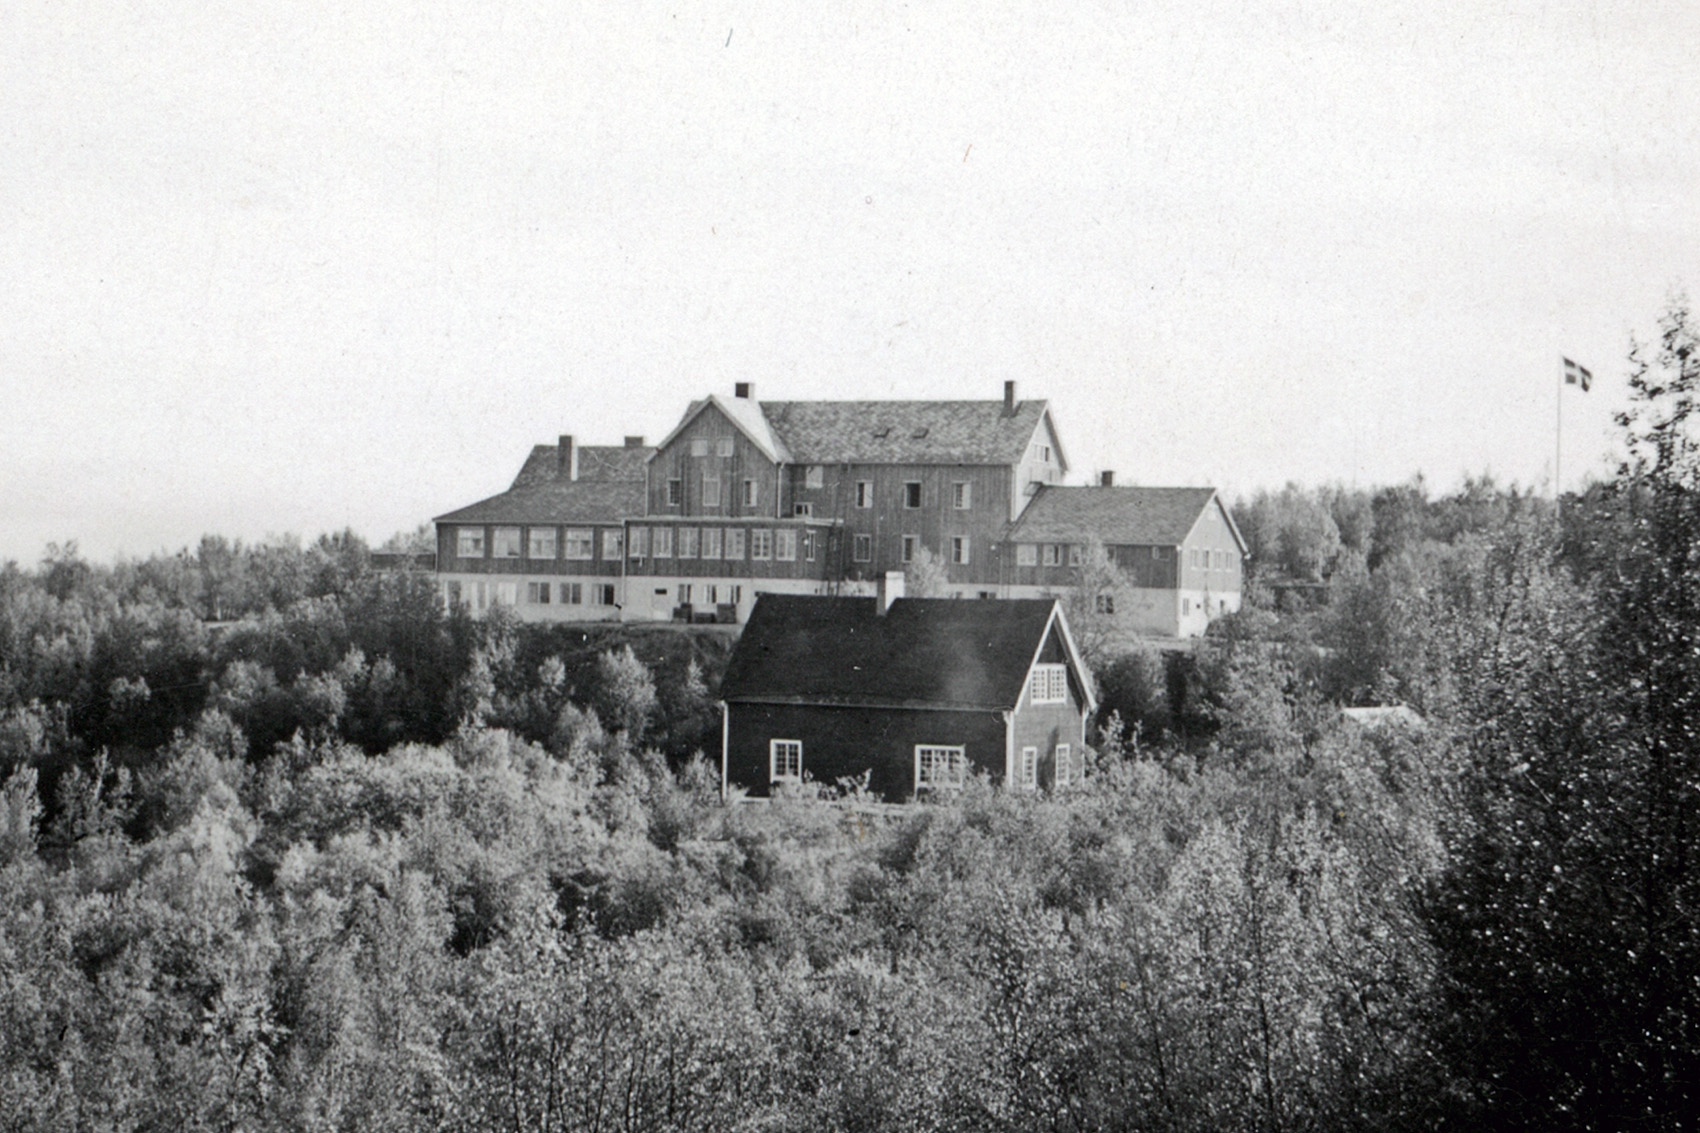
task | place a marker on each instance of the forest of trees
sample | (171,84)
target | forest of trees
(283,845)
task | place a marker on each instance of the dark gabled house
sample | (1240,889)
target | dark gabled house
(917,693)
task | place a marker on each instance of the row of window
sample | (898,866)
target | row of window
(1205,559)
(712,593)
(862,548)
(961,492)
(711,492)
(480,596)
(722,543)
(539,543)
(937,766)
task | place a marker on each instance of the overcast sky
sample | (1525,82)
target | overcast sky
(292,266)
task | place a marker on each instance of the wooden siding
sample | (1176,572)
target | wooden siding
(747,462)
(1211,536)
(598,566)
(745,567)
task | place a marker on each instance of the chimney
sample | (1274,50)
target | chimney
(891,589)
(634,442)
(744,390)
(566,457)
(1107,478)
(1009,399)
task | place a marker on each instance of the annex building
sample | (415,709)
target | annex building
(745,497)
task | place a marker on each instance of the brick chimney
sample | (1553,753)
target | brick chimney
(566,457)
(634,442)
(1009,399)
(1107,478)
(891,589)
(744,390)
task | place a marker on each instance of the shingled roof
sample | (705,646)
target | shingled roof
(1119,516)
(556,501)
(595,462)
(904,432)
(924,651)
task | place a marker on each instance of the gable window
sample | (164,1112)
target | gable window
(1065,766)
(1050,684)
(761,543)
(540,543)
(640,542)
(864,493)
(1028,772)
(864,549)
(961,495)
(572,593)
(938,767)
(663,543)
(735,543)
(688,542)
(814,477)
(537,593)
(723,446)
(581,543)
(711,542)
(507,543)
(469,542)
(1053,554)
(699,447)
(785,761)
(911,494)
(675,489)
(749,493)
(910,542)
(1027,554)
(710,490)
(959,548)
(785,546)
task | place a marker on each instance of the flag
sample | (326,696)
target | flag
(1575,375)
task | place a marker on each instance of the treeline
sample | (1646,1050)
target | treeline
(317,855)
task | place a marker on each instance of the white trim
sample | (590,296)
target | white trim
(725,744)
(958,764)
(773,775)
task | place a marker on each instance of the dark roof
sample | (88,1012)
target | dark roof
(1119,516)
(595,462)
(557,501)
(904,432)
(960,653)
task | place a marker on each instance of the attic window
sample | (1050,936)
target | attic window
(882,432)
(1050,684)
(919,434)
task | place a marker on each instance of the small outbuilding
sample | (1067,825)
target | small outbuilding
(916,693)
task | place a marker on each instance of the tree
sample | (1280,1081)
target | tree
(925,576)
(1096,593)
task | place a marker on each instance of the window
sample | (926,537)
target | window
(785,546)
(541,543)
(662,543)
(604,593)
(640,542)
(710,490)
(469,542)
(959,548)
(1050,684)
(809,545)
(735,543)
(1027,554)
(1105,603)
(1075,552)
(451,594)
(736,595)
(814,477)
(749,493)
(803,509)
(785,761)
(723,446)
(864,549)
(711,542)
(684,594)
(711,594)
(674,491)
(911,493)
(1065,766)
(1186,606)
(1053,554)
(572,593)
(910,542)
(507,543)
(537,593)
(699,447)
(864,493)
(1028,773)
(688,538)
(961,495)
(581,543)
(761,543)
(613,542)
(506,593)
(939,767)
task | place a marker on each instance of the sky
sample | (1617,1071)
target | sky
(284,266)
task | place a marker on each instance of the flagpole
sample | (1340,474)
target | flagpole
(1558,437)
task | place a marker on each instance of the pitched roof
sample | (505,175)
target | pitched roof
(595,462)
(904,432)
(959,653)
(746,415)
(556,501)
(1119,516)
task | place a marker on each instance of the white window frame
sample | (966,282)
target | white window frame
(685,546)
(613,543)
(1062,761)
(864,493)
(675,491)
(785,546)
(699,446)
(1027,774)
(723,446)
(710,490)
(505,543)
(750,496)
(928,774)
(505,594)
(711,540)
(907,551)
(789,751)
(469,542)
(761,543)
(1049,684)
(661,542)
(735,544)
(639,546)
(1027,554)
(961,495)
(579,544)
(959,548)
(862,548)
(542,543)
(1053,554)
